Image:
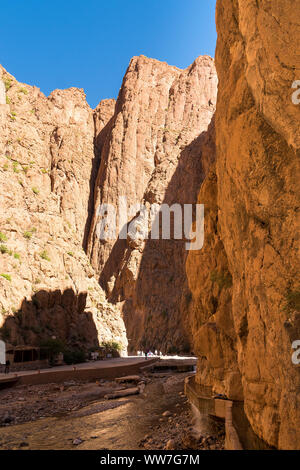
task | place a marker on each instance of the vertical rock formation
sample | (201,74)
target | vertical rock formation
(258,195)
(245,312)
(47,285)
(153,154)
(210,308)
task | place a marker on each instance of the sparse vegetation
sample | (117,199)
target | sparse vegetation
(3,249)
(8,100)
(23,90)
(7,84)
(54,346)
(27,234)
(3,237)
(17,256)
(15,167)
(74,356)
(35,190)
(44,255)
(6,276)
(112,346)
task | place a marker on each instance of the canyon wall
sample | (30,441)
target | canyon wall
(157,151)
(235,303)
(48,163)
(245,311)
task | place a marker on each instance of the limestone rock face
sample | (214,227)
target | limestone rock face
(158,150)
(210,308)
(244,313)
(47,285)
(257,139)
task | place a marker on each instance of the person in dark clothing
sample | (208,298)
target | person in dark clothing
(7,365)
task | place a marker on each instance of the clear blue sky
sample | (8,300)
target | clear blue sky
(89,43)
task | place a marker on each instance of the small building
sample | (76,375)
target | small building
(26,357)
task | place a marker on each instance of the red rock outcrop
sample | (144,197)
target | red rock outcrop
(257,141)
(245,312)
(47,285)
(158,150)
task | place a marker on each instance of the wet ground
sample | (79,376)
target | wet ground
(158,417)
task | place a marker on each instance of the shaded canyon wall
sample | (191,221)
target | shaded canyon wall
(245,311)
(158,150)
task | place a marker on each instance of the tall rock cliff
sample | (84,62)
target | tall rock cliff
(157,151)
(245,311)
(47,285)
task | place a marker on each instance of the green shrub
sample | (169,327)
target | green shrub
(112,346)
(54,346)
(3,237)
(17,256)
(27,234)
(6,276)
(7,100)
(35,190)
(15,167)
(44,255)
(3,249)
(73,356)
(7,84)
(23,90)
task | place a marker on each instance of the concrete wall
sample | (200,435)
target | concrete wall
(59,376)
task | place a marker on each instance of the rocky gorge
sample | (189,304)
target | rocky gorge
(223,133)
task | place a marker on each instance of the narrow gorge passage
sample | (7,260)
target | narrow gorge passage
(97,208)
